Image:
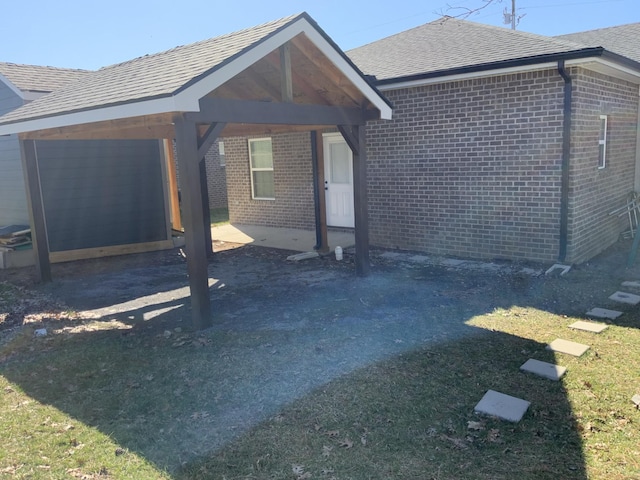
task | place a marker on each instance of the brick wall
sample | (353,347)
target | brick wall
(293,177)
(473,169)
(470,168)
(596,192)
(216,178)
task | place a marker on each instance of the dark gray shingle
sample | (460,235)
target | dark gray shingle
(623,39)
(39,79)
(450,43)
(151,76)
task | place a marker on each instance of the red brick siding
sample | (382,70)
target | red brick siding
(470,168)
(293,176)
(596,192)
(216,178)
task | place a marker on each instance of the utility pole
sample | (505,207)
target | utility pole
(510,17)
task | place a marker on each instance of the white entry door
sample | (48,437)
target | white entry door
(338,176)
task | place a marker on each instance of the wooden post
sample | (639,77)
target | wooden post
(285,73)
(36,209)
(176,220)
(321,207)
(206,210)
(192,215)
(356,138)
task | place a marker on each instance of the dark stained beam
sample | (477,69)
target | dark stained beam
(214,110)
(209,137)
(357,135)
(36,209)
(301,85)
(286,83)
(192,216)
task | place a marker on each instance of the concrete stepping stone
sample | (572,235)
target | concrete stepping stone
(604,313)
(633,284)
(570,348)
(502,406)
(636,399)
(594,327)
(624,297)
(544,369)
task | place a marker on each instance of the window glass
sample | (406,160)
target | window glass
(261,165)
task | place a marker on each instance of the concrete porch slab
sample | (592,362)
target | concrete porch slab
(502,406)
(544,369)
(283,238)
(570,348)
(624,297)
(593,327)
(604,313)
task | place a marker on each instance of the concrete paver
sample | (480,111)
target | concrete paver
(624,297)
(502,406)
(594,327)
(604,313)
(544,369)
(633,284)
(570,348)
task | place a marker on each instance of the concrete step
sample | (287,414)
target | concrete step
(570,348)
(502,406)
(624,297)
(544,369)
(604,313)
(594,327)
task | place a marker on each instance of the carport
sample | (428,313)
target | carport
(283,76)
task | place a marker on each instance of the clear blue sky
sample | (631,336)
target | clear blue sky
(90,34)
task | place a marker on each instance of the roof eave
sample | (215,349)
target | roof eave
(186,98)
(500,65)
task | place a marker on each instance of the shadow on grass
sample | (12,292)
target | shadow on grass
(298,353)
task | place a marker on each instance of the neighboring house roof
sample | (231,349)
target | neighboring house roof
(182,75)
(448,45)
(35,78)
(623,39)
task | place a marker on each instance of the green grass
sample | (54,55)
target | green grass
(219,216)
(103,400)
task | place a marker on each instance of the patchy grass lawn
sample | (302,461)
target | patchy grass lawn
(110,399)
(130,405)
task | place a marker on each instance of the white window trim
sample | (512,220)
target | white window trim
(602,162)
(251,169)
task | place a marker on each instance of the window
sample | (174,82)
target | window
(261,164)
(602,142)
(223,161)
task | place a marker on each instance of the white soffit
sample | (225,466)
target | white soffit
(607,67)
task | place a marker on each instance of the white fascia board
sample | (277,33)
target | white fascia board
(355,78)
(11,86)
(211,82)
(467,76)
(608,67)
(99,114)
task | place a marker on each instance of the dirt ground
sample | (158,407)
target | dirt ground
(255,287)
(303,324)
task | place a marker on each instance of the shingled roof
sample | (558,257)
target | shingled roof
(448,44)
(35,78)
(623,39)
(148,77)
